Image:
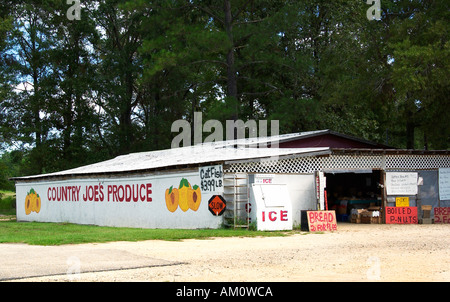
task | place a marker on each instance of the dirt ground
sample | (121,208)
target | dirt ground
(356,252)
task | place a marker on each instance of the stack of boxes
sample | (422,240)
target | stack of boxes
(355,216)
(372,215)
(426,218)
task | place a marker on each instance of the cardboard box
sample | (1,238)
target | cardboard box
(371,213)
(425,221)
(365,219)
(355,218)
(374,208)
(366,216)
(370,220)
(426,211)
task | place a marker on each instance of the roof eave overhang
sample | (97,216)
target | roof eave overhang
(279,157)
(355,151)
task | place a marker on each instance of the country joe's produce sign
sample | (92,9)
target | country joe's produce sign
(163,201)
(101,192)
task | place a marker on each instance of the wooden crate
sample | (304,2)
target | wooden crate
(370,220)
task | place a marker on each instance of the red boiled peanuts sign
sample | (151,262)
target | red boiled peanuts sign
(401,215)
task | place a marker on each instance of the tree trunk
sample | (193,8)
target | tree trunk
(231,69)
(36,109)
(409,134)
(410,124)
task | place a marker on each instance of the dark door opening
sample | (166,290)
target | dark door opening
(353,190)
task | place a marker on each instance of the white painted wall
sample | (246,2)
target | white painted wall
(106,211)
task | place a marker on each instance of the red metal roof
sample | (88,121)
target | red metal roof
(331,139)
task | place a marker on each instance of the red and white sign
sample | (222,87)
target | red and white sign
(401,215)
(264,178)
(320,189)
(152,201)
(320,221)
(442,215)
(280,215)
(273,207)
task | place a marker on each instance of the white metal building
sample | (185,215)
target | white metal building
(178,188)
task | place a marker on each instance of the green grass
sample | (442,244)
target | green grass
(43,233)
(46,233)
(7,203)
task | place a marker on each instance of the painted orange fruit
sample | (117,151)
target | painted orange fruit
(194,198)
(32,202)
(37,205)
(28,205)
(184,192)
(172,196)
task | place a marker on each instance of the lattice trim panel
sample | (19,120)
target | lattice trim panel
(417,162)
(342,162)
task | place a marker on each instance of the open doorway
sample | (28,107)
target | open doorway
(353,190)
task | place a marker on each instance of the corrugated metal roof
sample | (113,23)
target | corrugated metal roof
(276,138)
(215,152)
(309,134)
(193,155)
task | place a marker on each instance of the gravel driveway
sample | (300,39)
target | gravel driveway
(356,252)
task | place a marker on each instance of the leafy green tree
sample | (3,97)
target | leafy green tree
(72,61)
(6,74)
(421,60)
(73,92)
(27,110)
